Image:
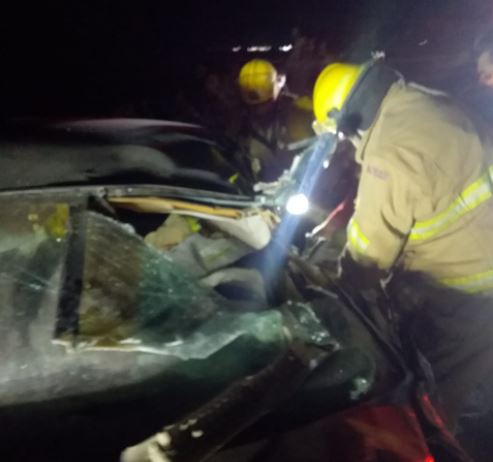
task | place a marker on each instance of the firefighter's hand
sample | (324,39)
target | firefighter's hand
(355,276)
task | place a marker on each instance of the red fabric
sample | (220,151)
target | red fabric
(380,434)
(340,216)
(338,219)
(383,433)
(447,438)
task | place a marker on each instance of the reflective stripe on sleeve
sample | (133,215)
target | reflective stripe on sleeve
(475,283)
(356,238)
(473,196)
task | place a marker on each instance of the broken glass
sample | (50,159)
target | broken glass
(135,298)
(33,238)
(75,277)
(81,279)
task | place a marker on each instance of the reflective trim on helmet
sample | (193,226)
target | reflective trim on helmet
(475,283)
(471,198)
(356,239)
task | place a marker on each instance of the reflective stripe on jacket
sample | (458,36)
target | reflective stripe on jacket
(424,197)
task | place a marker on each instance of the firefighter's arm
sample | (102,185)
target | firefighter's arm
(381,222)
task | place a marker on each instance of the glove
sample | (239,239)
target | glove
(354,275)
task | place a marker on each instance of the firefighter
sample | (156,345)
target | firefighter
(423,214)
(275,119)
(478,96)
(484,53)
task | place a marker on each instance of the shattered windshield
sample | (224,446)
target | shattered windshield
(85,298)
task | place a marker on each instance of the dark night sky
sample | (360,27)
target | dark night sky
(82,57)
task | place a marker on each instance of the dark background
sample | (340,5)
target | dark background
(84,58)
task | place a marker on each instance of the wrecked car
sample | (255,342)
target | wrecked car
(127,306)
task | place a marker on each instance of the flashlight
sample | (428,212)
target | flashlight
(297,204)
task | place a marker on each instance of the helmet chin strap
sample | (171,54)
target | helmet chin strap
(363,103)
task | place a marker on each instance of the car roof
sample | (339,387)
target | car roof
(91,151)
(102,130)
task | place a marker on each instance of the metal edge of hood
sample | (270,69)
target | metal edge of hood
(107,191)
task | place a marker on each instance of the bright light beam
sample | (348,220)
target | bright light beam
(298,204)
(321,150)
(277,251)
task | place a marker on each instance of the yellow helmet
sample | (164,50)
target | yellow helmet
(258,82)
(332,89)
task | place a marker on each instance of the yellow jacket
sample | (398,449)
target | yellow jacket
(424,199)
(268,139)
